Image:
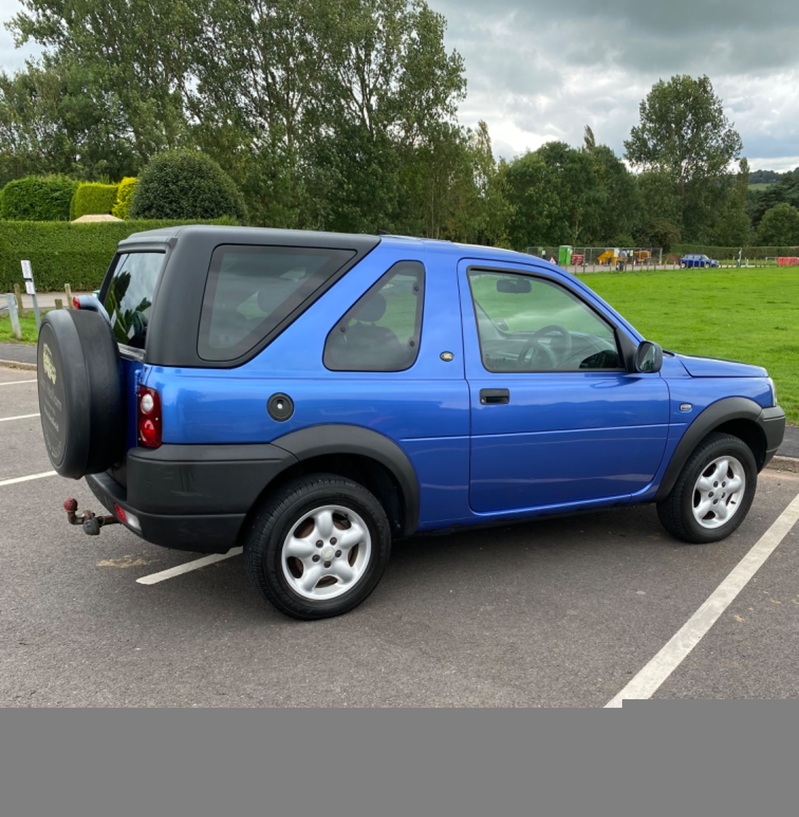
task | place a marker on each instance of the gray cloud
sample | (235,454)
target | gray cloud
(536,69)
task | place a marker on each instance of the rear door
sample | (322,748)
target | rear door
(128,294)
(556,420)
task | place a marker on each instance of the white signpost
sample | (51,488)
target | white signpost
(30,288)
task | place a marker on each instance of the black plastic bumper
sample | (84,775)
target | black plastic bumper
(191,497)
(772,421)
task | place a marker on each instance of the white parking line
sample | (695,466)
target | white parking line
(16,382)
(154,578)
(644,685)
(18,417)
(27,479)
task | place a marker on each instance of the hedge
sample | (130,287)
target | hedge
(37,198)
(63,253)
(125,191)
(93,198)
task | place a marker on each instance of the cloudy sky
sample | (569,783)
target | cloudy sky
(539,70)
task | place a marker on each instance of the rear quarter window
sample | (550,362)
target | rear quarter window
(252,290)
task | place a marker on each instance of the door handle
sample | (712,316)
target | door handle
(494,397)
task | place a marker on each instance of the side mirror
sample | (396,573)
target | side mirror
(648,357)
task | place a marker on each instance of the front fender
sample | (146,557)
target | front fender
(730,409)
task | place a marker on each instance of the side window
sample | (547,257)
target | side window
(381,332)
(531,324)
(251,290)
(129,295)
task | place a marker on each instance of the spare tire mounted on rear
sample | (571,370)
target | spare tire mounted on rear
(80,392)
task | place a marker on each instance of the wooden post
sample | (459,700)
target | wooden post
(59,304)
(68,290)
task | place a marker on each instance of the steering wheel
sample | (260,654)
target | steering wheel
(555,351)
(536,355)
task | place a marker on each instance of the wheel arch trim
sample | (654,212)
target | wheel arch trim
(341,440)
(714,416)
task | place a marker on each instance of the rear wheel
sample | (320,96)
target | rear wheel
(318,547)
(713,493)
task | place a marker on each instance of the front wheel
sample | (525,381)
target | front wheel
(713,493)
(318,547)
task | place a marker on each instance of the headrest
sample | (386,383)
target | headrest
(372,309)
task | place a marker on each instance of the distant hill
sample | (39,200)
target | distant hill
(761,177)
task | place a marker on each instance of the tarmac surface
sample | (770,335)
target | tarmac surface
(23,356)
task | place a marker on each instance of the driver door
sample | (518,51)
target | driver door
(556,419)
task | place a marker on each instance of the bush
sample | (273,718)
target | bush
(37,198)
(186,185)
(127,187)
(93,198)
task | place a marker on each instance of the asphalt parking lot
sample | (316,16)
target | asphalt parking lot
(578,612)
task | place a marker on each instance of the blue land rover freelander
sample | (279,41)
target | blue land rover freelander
(314,397)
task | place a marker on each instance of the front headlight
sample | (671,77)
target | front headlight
(773,392)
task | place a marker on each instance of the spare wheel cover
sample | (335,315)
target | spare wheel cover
(80,392)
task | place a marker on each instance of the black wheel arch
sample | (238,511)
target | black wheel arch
(363,455)
(738,416)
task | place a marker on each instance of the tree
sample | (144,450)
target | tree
(139,51)
(534,201)
(55,118)
(329,100)
(684,134)
(732,226)
(619,214)
(784,191)
(780,227)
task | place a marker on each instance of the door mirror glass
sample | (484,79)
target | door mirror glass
(649,357)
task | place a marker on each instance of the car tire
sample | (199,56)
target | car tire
(80,392)
(713,492)
(318,547)
(683,265)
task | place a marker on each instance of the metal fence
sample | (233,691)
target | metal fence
(598,259)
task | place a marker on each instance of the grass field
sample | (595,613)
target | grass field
(750,315)
(738,314)
(26,324)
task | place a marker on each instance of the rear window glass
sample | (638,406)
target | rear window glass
(251,290)
(129,295)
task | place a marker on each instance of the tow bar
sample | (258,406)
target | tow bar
(90,522)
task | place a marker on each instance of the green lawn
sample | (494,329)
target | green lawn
(738,314)
(26,324)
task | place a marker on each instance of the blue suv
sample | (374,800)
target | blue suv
(315,397)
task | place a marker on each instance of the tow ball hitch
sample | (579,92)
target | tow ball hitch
(90,522)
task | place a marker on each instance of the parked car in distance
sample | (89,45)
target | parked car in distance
(315,397)
(697,260)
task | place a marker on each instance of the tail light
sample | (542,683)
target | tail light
(149,417)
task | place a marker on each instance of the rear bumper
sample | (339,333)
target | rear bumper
(191,497)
